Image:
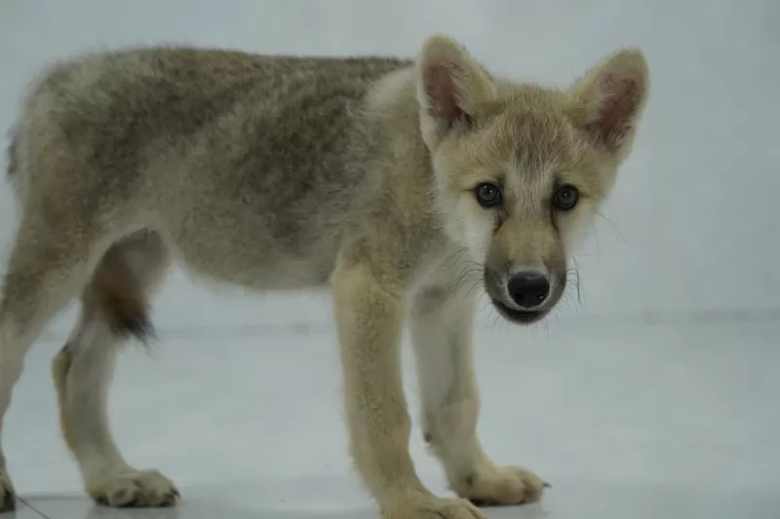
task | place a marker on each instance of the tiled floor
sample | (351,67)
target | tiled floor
(626,421)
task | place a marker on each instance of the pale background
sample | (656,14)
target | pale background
(692,238)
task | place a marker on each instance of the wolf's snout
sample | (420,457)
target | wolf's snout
(529,289)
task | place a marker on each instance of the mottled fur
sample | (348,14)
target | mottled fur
(284,172)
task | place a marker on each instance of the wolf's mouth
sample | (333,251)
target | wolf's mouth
(519,316)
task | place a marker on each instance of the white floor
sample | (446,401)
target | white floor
(633,421)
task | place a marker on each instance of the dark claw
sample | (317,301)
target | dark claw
(547,485)
(171,498)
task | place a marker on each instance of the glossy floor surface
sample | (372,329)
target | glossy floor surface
(634,421)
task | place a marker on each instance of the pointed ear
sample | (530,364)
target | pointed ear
(450,83)
(608,101)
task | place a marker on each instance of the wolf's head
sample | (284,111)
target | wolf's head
(521,170)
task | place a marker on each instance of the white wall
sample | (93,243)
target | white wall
(694,225)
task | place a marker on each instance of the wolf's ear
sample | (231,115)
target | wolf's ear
(450,83)
(608,101)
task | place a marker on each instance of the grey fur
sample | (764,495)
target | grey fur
(13,163)
(267,147)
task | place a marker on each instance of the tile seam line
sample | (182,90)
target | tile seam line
(31,507)
(315,327)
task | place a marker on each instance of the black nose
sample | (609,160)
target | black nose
(529,289)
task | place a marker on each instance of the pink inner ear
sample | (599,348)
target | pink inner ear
(617,110)
(443,95)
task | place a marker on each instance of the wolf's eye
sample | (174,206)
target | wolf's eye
(488,195)
(566,197)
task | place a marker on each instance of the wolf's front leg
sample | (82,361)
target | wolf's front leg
(369,316)
(441,327)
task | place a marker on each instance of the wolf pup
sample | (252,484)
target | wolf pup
(406,185)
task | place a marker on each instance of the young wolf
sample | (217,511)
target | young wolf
(404,184)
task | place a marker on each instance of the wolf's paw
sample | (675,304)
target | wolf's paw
(7,494)
(433,508)
(500,486)
(136,489)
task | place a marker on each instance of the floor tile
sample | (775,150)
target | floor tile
(23,511)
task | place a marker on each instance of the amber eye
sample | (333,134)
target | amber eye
(566,197)
(488,195)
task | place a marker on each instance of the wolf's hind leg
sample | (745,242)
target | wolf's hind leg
(114,307)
